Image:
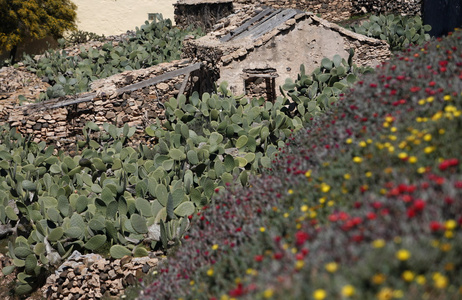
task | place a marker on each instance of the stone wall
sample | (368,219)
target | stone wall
(336,10)
(62,125)
(203,15)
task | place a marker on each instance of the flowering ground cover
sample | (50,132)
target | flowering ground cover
(365,203)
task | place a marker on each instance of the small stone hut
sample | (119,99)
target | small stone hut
(255,50)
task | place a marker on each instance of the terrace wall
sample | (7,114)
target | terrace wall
(336,10)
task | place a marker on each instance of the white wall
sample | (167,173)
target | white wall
(111,17)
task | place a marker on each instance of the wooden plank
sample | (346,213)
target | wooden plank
(160,78)
(274,23)
(51,104)
(249,32)
(184,84)
(246,25)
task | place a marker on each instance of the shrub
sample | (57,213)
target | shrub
(151,44)
(398,31)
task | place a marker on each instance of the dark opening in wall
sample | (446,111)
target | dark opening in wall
(260,83)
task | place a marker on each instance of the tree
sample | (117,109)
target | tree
(36,19)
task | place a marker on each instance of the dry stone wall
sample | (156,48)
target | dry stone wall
(336,10)
(61,125)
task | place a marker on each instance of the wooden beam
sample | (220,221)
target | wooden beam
(52,103)
(246,25)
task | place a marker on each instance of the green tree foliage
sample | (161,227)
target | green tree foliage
(35,19)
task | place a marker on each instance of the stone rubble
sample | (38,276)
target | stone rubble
(91,276)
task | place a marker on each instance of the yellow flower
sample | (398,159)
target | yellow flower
(362,144)
(349,141)
(210,272)
(403,254)
(448,234)
(389,119)
(412,159)
(286,215)
(447,97)
(450,224)
(440,281)
(445,247)
(348,290)
(429,149)
(408,276)
(331,267)
(369,174)
(304,208)
(420,280)
(215,247)
(191,282)
(290,192)
(319,294)
(427,137)
(378,279)
(325,187)
(308,174)
(268,293)
(299,264)
(251,271)
(430,99)
(441,131)
(262,229)
(380,243)
(398,294)
(357,159)
(347,176)
(391,149)
(385,294)
(402,155)
(393,129)
(421,170)
(224,297)
(422,102)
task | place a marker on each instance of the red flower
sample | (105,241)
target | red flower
(419,204)
(415,89)
(452,162)
(258,258)
(410,213)
(435,226)
(301,237)
(373,85)
(458,184)
(371,216)
(238,291)
(278,255)
(432,83)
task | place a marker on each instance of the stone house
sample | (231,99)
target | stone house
(255,50)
